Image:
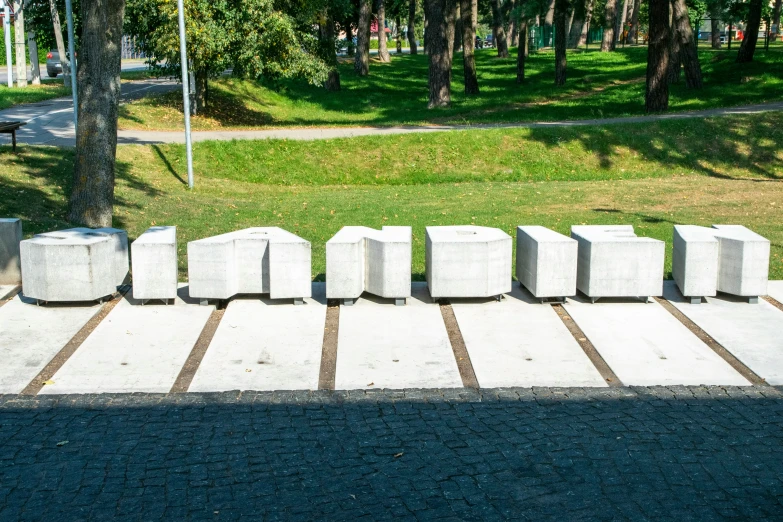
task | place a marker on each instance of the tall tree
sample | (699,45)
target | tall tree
(689,56)
(98,75)
(328,49)
(621,16)
(577,22)
(776,17)
(441,16)
(383,49)
(561,17)
(411,26)
(657,91)
(58,35)
(715,26)
(361,62)
(522,50)
(610,21)
(468,15)
(498,29)
(20,35)
(675,51)
(748,45)
(633,32)
(588,18)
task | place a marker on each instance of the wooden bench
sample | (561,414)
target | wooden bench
(10,127)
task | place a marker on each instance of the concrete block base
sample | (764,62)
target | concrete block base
(154,264)
(546,262)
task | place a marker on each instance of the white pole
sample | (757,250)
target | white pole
(183,57)
(7,28)
(72,63)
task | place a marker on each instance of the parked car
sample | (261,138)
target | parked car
(53,64)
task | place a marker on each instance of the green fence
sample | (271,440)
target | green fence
(544,36)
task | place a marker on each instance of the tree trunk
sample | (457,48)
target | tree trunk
(440,27)
(610,20)
(633,34)
(688,51)
(561,17)
(383,48)
(398,28)
(748,45)
(411,25)
(350,49)
(715,28)
(498,29)
(621,21)
(202,89)
(33,50)
(100,50)
(657,95)
(361,63)
(20,37)
(512,38)
(588,19)
(58,37)
(456,45)
(577,23)
(675,59)
(329,51)
(468,13)
(522,51)
(776,17)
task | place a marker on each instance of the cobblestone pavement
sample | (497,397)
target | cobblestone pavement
(542,454)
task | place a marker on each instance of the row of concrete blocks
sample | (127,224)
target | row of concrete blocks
(461,261)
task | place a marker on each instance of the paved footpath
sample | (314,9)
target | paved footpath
(665,453)
(50,123)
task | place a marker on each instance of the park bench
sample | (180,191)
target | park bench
(10,127)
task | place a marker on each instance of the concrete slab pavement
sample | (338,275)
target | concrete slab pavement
(263,344)
(385,346)
(751,332)
(645,345)
(6,290)
(30,336)
(520,342)
(774,289)
(134,349)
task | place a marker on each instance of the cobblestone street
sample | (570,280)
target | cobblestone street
(677,453)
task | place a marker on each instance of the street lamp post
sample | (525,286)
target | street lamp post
(7,30)
(72,63)
(185,89)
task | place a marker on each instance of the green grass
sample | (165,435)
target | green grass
(619,174)
(32,93)
(599,85)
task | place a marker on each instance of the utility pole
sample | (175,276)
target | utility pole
(19,36)
(7,30)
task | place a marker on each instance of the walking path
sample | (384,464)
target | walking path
(50,123)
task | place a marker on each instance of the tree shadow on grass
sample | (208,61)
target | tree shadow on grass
(35,185)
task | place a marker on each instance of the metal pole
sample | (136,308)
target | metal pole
(7,28)
(72,63)
(183,57)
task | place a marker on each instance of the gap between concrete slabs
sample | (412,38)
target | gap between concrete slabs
(185,377)
(461,355)
(7,293)
(326,376)
(71,346)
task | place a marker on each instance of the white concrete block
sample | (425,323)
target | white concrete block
(134,349)
(360,259)
(10,260)
(750,333)
(695,256)
(30,336)
(467,261)
(646,346)
(397,347)
(262,260)
(614,262)
(519,342)
(263,346)
(546,262)
(77,264)
(743,269)
(154,262)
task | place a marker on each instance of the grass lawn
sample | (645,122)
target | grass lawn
(32,93)
(599,85)
(552,177)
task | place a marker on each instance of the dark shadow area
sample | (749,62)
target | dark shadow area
(512,454)
(159,153)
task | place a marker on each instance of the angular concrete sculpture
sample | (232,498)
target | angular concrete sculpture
(468,261)
(724,258)
(362,259)
(614,262)
(262,260)
(77,264)
(546,262)
(154,263)
(10,260)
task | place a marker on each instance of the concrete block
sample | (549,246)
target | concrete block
(360,259)
(261,260)
(10,260)
(614,262)
(77,264)
(467,261)
(546,262)
(724,258)
(154,263)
